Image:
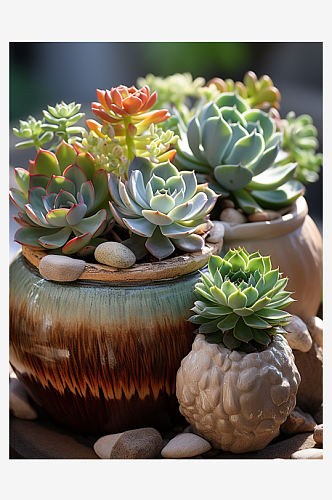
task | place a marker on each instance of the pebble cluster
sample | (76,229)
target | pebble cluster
(234,216)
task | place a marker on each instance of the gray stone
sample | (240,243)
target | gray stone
(61,268)
(310,392)
(19,401)
(185,445)
(315,327)
(138,443)
(233,216)
(298,335)
(318,434)
(297,422)
(115,254)
(312,453)
(216,233)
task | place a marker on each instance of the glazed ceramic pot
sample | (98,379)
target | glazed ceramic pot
(295,245)
(101,354)
(237,401)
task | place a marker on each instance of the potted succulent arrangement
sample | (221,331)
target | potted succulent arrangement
(117,220)
(112,238)
(234,139)
(239,382)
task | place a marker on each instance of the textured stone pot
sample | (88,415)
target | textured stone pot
(101,354)
(237,401)
(295,246)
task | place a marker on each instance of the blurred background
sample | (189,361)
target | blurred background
(46,73)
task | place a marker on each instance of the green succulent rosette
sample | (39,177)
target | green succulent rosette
(235,147)
(240,301)
(63,201)
(300,144)
(162,205)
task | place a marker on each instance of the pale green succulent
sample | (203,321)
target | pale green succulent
(62,117)
(163,205)
(300,143)
(240,301)
(61,120)
(173,89)
(34,132)
(235,147)
(63,201)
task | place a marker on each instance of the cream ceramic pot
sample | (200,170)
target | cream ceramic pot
(237,401)
(295,246)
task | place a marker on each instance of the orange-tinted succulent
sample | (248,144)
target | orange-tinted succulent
(122,102)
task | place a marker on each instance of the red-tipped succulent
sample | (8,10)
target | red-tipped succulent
(63,201)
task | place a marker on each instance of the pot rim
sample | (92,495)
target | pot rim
(169,268)
(268,229)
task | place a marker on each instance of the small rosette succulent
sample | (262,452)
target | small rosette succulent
(163,205)
(300,143)
(235,147)
(240,301)
(63,201)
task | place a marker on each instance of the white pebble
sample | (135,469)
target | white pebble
(315,327)
(103,447)
(298,336)
(115,255)
(232,216)
(309,453)
(18,401)
(61,268)
(216,233)
(185,445)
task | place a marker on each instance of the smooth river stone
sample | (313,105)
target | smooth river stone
(115,254)
(61,268)
(298,336)
(185,446)
(233,216)
(138,443)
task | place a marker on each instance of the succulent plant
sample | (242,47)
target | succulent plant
(240,301)
(61,119)
(34,132)
(63,201)
(235,147)
(173,89)
(300,143)
(259,93)
(126,115)
(163,205)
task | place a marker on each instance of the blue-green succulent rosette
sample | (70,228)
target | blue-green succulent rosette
(236,148)
(166,207)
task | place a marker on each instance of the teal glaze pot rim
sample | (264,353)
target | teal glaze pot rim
(171,268)
(89,283)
